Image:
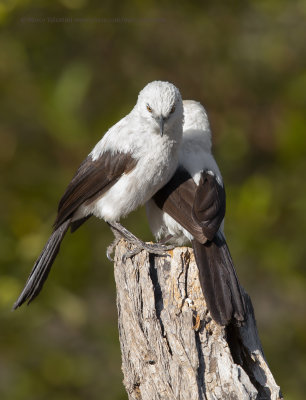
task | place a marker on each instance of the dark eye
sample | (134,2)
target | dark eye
(149,108)
(172,109)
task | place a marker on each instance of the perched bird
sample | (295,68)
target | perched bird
(191,207)
(133,160)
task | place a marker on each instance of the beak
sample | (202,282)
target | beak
(161,122)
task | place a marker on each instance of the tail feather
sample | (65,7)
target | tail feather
(219,281)
(42,266)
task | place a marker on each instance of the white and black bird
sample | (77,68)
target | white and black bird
(191,207)
(133,160)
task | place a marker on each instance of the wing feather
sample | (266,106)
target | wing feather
(176,199)
(199,209)
(92,179)
(209,204)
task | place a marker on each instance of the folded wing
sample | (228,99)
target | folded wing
(209,204)
(200,210)
(92,179)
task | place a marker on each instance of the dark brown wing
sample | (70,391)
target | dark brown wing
(199,209)
(91,180)
(176,199)
(209,204)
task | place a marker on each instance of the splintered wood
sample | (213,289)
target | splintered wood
(171,348)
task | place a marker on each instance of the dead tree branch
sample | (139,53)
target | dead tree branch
(171,348)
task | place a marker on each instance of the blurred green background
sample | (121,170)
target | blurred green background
(63,83)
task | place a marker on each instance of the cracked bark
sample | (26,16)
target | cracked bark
(171,348)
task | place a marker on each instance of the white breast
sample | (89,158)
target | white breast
(157,161)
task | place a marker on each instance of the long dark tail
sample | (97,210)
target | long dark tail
(42,266)
(219,281)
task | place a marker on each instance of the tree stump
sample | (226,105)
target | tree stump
(171,348)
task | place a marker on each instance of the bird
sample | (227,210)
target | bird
(132,161)
(191,208)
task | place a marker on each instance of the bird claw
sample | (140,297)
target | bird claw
(110,249)
(109,252)
(153,248)
(119,231)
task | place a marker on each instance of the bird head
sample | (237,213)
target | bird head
(160,103)
(196,124)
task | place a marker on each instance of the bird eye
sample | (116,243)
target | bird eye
(149,108)
(172,109)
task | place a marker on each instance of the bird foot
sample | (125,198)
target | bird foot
(152,248)
(121,232)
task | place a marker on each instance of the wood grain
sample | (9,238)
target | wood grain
(171,348)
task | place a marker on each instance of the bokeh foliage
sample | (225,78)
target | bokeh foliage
(63,83)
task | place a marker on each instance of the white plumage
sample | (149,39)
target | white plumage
(134,159)
(139,134)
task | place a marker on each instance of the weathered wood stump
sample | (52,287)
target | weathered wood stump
(171,348)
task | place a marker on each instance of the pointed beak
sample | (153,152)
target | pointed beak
(161,122)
